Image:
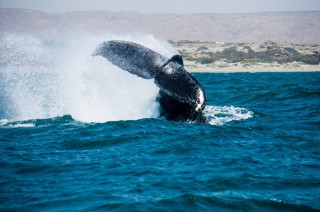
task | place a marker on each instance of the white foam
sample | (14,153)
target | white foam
(219,115)
(90,89)
(4,122)
(7,123)
(22,125)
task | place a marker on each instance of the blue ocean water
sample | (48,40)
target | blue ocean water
(78,134)
(265,160)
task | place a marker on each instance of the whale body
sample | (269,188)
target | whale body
(181,96)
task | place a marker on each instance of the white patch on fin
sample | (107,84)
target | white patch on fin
(200,100)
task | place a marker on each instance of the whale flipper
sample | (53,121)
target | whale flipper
(131,57)
(181,96)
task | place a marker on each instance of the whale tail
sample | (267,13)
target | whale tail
(131,57)
(178,88)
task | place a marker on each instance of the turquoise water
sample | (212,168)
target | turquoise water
(259,153)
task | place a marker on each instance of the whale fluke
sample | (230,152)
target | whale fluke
(131,57)
(181,96)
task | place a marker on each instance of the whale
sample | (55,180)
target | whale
(181,97)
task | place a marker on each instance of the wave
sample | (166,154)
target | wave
(210,202)
(217,115)
(228,200)
(37,122)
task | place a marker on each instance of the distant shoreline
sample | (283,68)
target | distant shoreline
(268,56)
(236,68)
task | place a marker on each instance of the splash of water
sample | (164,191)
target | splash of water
(219,115)
(45,77)
(49,77)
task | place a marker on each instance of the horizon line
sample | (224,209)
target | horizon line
(149,13)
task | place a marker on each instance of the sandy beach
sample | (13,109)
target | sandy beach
(223,67)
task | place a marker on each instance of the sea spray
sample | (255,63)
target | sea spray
(51,76)
(44,77)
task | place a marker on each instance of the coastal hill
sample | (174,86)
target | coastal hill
(293,27)
(240,57)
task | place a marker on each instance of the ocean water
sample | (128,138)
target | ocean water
(78,134)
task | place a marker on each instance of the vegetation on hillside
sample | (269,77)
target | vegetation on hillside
(270,53)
